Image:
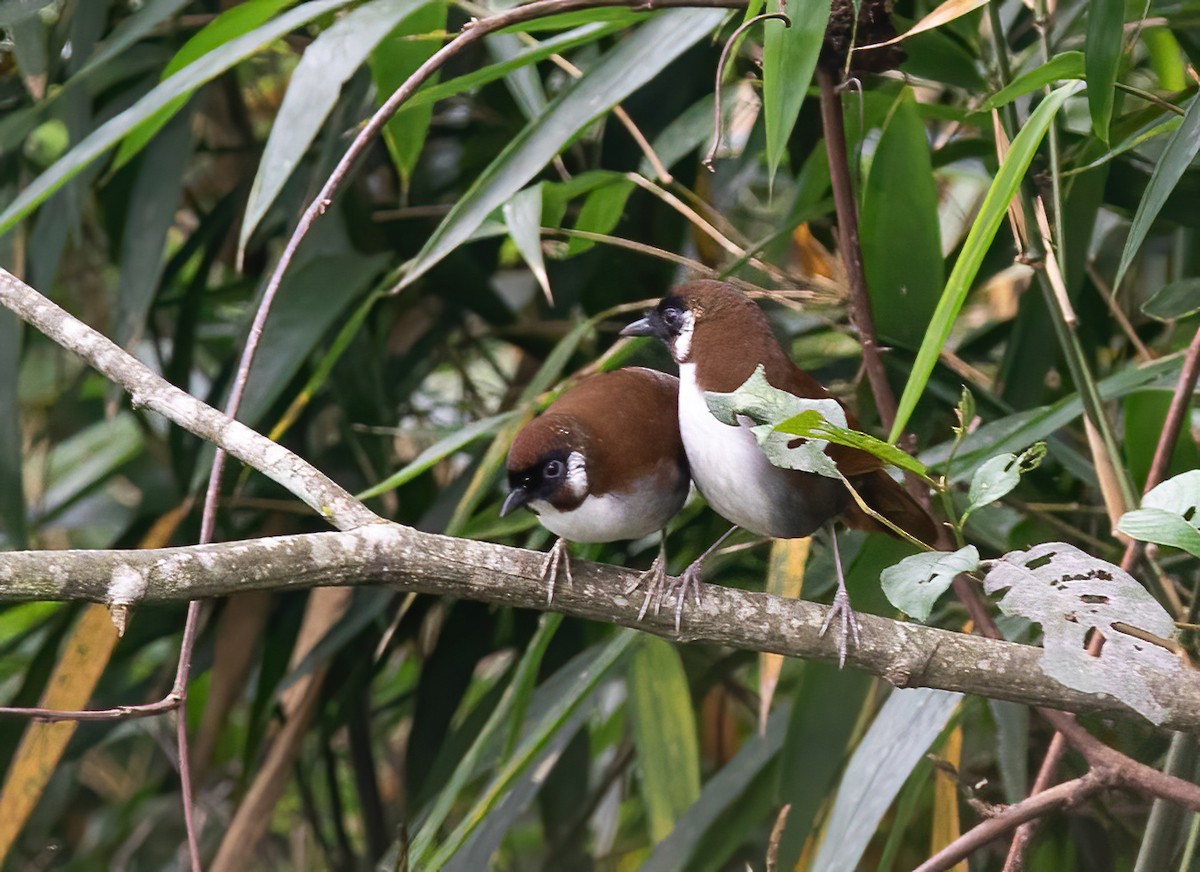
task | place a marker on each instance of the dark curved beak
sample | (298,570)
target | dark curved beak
(517,497)
(642,327)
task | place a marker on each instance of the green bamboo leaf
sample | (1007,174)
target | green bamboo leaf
(687,131)
(460,438)
(600,213)
(1160,128)
(632,63)
(995,205)
(230,24)
(1012,751)
(15,11)
(901,237)
(557,44)
(85,460)
(897,741)
(1176,158)
(152,203)
(1102,58)
(161,97)
(664,734)
(826,706)
(1176,300)
(304,313)
(1167,58)
(532,745)
(524,83)
(722,792)
(517,691)
(131,29)
(314,89)
(1067,65)
(396,58)
(1016,431)
(13,532)
(789,58)
(523,215)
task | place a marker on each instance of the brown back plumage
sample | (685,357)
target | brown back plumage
(624,422)
(736,336)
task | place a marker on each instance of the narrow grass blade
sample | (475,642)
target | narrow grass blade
(995,205)
(902,732)
(1176,158)
(533,744)
(664,733)
(162,96)
(1102,57)
(789,58)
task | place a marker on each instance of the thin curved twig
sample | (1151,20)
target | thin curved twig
(711,155)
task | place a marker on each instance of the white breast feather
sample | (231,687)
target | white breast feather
(734,474)
(613,517)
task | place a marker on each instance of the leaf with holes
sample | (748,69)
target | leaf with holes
(1170,514)
(1070,593)
(914,584)
(760,407)
(811,425)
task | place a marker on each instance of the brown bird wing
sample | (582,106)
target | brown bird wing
(864,470)
(889,499)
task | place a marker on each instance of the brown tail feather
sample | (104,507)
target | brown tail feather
(892,501)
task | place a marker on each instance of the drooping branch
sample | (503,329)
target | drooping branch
(1060,797)
(908,655)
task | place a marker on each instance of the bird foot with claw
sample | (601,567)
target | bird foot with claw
(847,624)
(556,558)
(687,582)
(655,580)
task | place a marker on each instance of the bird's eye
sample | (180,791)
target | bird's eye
(553,469)
(672,316)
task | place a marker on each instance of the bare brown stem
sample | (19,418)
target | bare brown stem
(1061,796)
(848,244)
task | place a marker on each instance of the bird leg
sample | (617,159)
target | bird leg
(840,608)
(655,578)
(556,557)
(689,581)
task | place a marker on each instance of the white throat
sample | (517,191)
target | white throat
(681,345)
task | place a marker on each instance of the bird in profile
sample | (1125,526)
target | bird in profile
(603,463)
(719,337)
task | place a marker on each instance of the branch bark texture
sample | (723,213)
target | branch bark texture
(907,655)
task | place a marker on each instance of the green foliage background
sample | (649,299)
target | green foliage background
(154,157)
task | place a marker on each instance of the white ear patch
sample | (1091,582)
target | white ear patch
(577,480)
(681,345)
